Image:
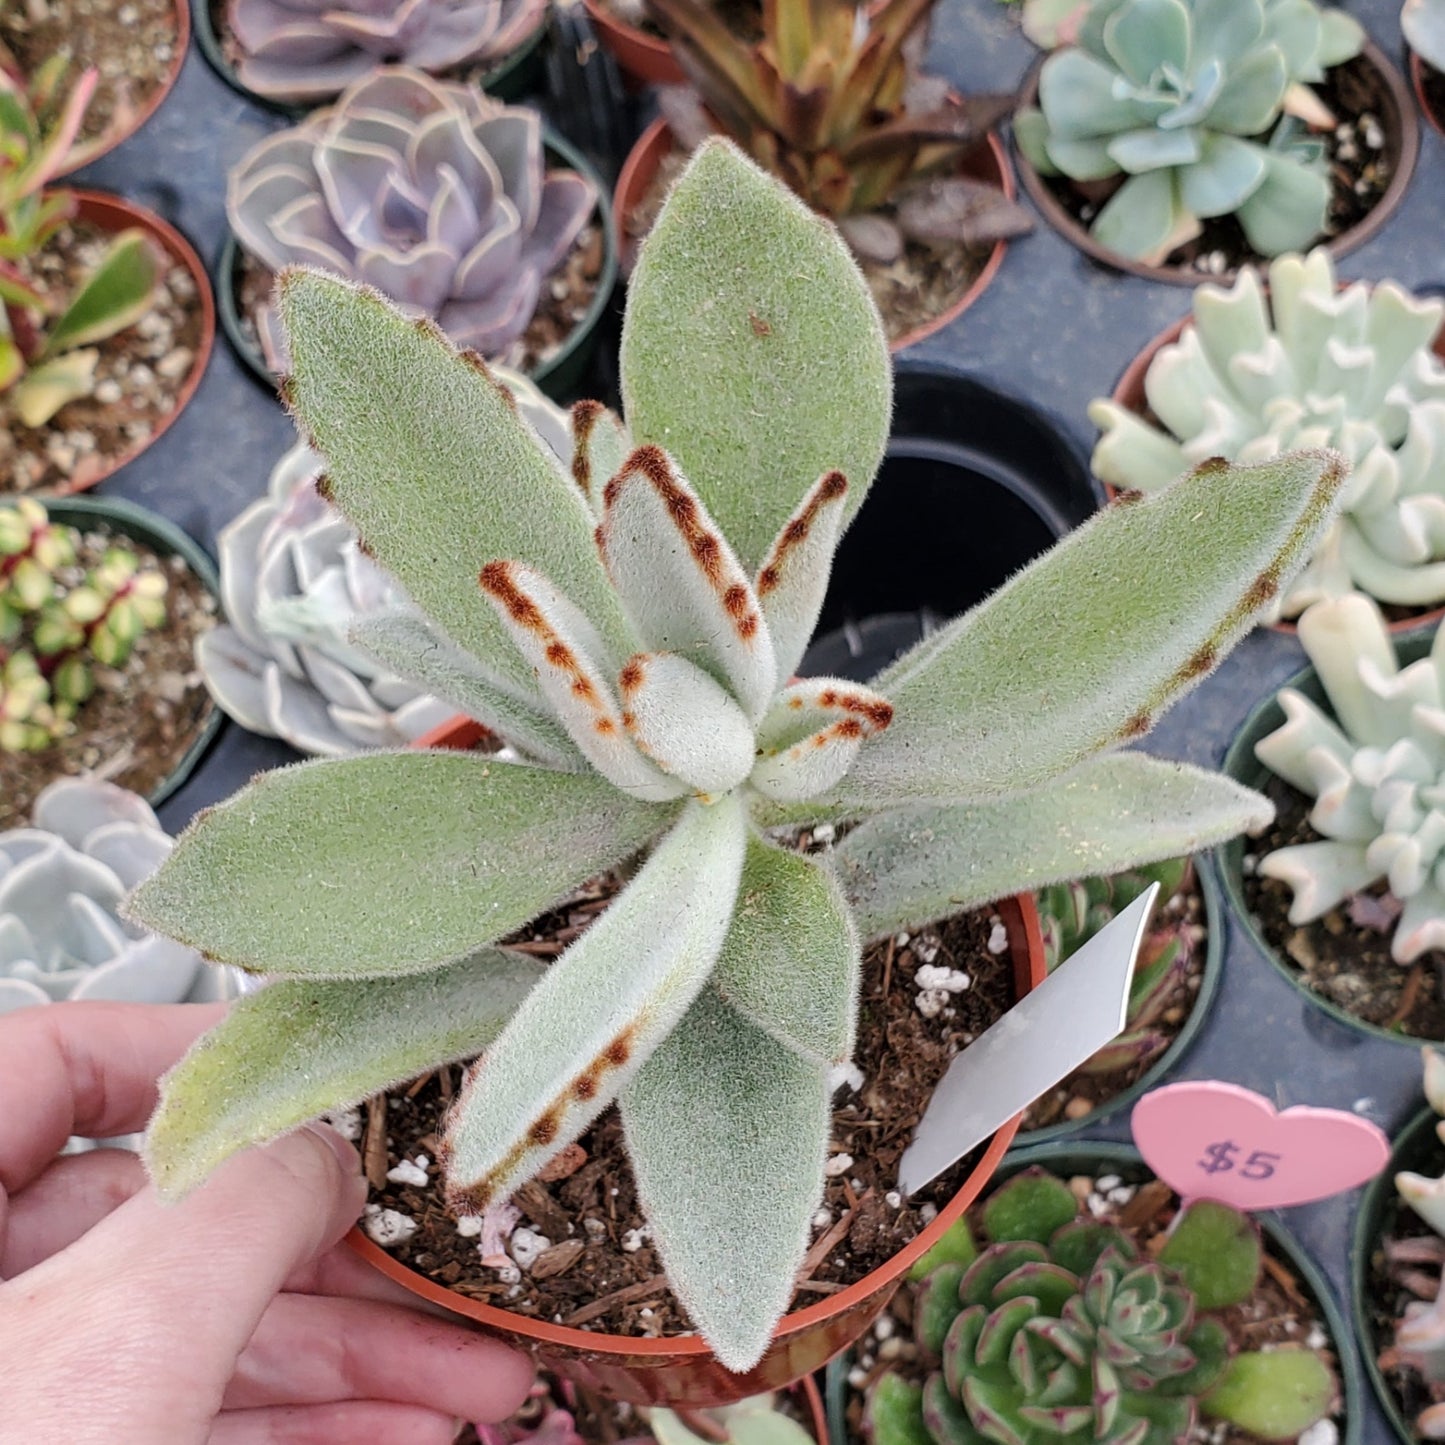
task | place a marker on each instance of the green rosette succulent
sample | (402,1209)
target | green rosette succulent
(1058,1331)
(632,625)
(1188,99)
(1309,364)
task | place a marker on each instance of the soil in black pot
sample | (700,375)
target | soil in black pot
(1434,85)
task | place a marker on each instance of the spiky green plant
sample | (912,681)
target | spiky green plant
(633,629)
(1188,100)
(53,627)
(829,101)
(47,354)
(1058,1331)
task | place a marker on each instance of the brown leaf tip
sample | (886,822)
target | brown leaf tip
(585,1087)
(545,1129)
(1136,726)
(426,326)
(619,1050)
(584,421)
(634,672)
(1210,466)
(1263,590)
(760,327)
(325,488)
(470,1198)
(497,581)
(1201,664)
(828,488)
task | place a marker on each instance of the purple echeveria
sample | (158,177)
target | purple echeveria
(433,193)
(310,50)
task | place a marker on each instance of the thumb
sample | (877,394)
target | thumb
(179,1288)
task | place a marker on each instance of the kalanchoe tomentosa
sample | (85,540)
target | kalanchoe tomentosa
(1185,99)
(301,50)
(293,583)
(830,102)
(54,628)
(1070,914)
(47,352)
(433,193)
(1059,1331)
(1423,22)
(1375,769)
(632,627)
(1311,365)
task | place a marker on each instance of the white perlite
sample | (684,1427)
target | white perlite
(848,1073)
(526,1244)
(1322,1432)
(632,1241)
(469,1226)
(346,1122)
(936,976)
(998,937)
(838,1164)
(389,1227)
(930,1003)
(408,1173)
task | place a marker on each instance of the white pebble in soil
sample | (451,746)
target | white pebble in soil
(949,980)
(346,1122)
(848,1074)
(633,1239)
(469,1226)
(390,1227)
(1322,1432)
(838,1164)
(525,1246)
(997,937)
(408,1173)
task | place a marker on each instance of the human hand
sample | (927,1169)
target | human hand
(231,1318)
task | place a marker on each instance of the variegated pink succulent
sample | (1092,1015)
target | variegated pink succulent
(433,193)
(310,50)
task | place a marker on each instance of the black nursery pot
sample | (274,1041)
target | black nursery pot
(1070,1157)
(974,485)
(1242,765)
(1417,1148)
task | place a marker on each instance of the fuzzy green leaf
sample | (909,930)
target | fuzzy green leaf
(790,962)
(600,1010)
(386,864)
(914,865)
(1275,1396)
(752,350)
(301,1048)
(443,477)
(116,294)
(1216,1251)
(1083,649)
(727,1130)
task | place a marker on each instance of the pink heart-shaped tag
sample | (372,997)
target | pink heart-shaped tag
(1212,1140)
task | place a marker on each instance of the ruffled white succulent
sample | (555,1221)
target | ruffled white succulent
(1423,22)
(1311,366)
(294,582)
(61,882)
(1376,770)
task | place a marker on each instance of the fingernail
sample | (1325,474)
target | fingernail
(346,1154)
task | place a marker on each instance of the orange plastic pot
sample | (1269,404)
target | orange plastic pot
(646,59)
(1417,77)
(173,70)
(1129,393)
(113,214)
(682,1371)
(988,162)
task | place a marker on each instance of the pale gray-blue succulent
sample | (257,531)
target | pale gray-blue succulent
(294,583)
(1423,22)
(61,883)
(1195,102)
(435,194)
(310,50)
(1310,365)
(632,625)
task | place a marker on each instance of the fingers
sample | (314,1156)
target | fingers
(350,1424)
(310,1350)
(70,1197)
(83,1068)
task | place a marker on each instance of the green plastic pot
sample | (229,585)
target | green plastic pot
(1183,1041)
(1089,1157)
(140,524)
(514,75)
(1242,765)
(558,375)
(1418,1148)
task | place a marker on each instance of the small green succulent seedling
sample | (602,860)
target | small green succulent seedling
(633,626)
(1374,764)
(1419,1342)
(1190,101)
(1059,1331)
(1070,914)
(754,1421)
(47,355)
(53,629)
(1311,364)
(1423,22)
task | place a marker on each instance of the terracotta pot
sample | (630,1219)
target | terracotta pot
(1417,76)
(644,58)
(988,162)
(1402,143)
(1129,393)
(112,214)
(817,1414)
(682,1370)
(173,70)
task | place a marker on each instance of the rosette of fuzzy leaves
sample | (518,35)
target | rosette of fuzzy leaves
(62,880)
(433,193)
(294,582)
(1185,99)
(1423,22)
(632,627)
(1376,769)
(829,100)
(1058,1331)
(1312,364)
(310,50)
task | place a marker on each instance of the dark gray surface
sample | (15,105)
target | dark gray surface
(1054,330)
